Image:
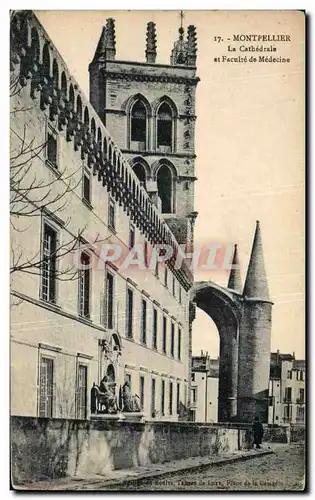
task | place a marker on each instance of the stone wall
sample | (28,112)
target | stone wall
(43,448)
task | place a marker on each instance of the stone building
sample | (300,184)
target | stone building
(97,186)
(117,169)
(286,389)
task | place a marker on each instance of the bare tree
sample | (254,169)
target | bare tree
(31,195)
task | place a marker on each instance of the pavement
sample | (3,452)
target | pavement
(121,479)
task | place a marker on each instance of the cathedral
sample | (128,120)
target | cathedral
(116,171)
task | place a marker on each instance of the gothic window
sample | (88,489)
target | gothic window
(164,185)
(164,126)
(140,173)
(138,132)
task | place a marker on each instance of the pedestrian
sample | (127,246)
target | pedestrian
(258,432)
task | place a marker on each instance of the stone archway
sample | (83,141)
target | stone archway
(223,307)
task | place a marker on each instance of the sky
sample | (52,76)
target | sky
(249,142)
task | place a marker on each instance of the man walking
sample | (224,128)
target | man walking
(258,432)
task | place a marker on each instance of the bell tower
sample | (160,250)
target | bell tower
(149,109)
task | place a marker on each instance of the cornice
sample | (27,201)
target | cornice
(139,77)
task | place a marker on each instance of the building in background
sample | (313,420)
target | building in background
(286,389)
(117,169)
(204,388)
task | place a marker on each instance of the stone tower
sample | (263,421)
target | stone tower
(149,109)
(254,339)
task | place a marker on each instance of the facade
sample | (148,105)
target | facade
(204,388)
(287,389)
(113,172)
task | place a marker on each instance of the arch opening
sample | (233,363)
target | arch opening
(138,132)
(164,126)
(140,173)
(165,189)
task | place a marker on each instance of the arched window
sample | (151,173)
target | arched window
(46,61)
(35,50)
(79,108)
(138,131)
(140,173)
(64,85)
(164,126)
(55,74)
(165,191)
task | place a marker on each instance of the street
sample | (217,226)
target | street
(283,470)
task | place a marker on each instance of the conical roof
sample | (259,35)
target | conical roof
(256,285)
(101,46)
(235,282)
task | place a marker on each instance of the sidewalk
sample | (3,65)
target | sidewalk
(121,478)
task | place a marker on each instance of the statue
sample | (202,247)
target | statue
(105,396)
(130,402)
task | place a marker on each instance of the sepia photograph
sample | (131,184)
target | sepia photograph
(157,250)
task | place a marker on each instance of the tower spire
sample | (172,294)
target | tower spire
(151,43)
(235,282)
(106,47)
(256,285)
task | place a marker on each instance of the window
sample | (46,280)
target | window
(290,374)
(154,326)
(165,275)
(51,149)
(86,186)
(301,375)
(164,127)
(110,300)
(81,399)
(84,285)
(179,344)
(142,392)
(131,237)
(138,123)
(157,269)
(288,395)
(165,189)
(170,409)
(193,415)
(49,269)
(193,377)
(164,334)
(163,397)
(178,398)
(301,396)
(180,294)
(287,413)
(140,172)
(111,213)
(128,379)
(153,398)
(46,387)
(144,322)
(172,339)
(145,252)
(194,395)
(300,414)
(173,286)
(129,322)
